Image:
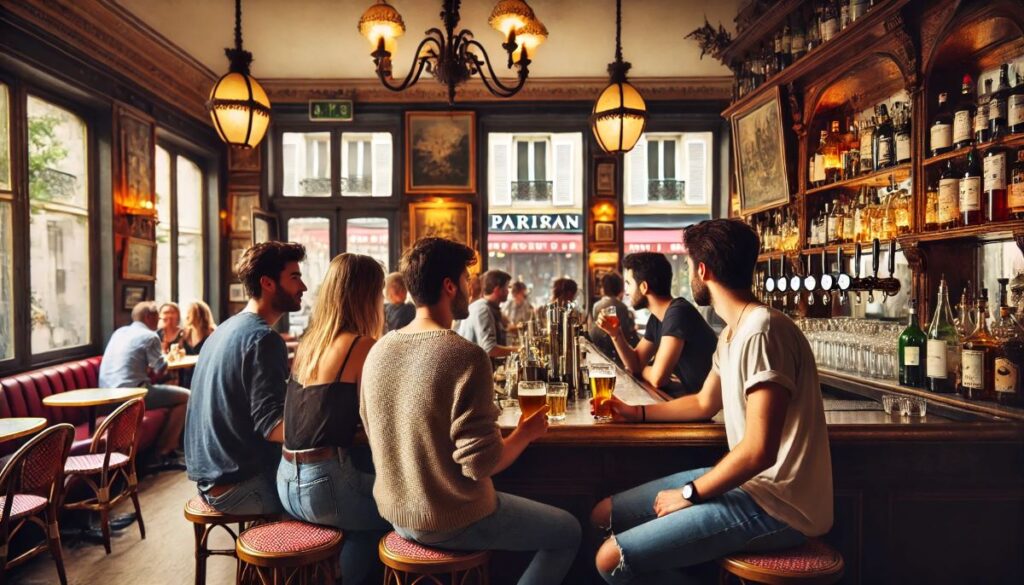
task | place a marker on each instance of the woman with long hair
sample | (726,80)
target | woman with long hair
(170,330)
(198,326)
(323,478)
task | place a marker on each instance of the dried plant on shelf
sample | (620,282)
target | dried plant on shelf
(712,42)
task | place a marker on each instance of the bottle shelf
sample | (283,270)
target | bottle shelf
(1011,140)
(878,178)
(995,231)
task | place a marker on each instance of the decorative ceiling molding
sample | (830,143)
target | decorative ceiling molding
(370,90)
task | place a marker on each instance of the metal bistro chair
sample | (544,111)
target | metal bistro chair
(111,455)
(31,484)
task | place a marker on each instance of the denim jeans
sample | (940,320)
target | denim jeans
(256,495)
(335,493)
(175,400)
(518,524)
(652,549)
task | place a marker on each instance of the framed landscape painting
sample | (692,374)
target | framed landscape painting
(440,152)
(760,151)
(139,260)
(450,220)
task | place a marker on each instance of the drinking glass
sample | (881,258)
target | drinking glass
(532,396)
(611,316)
(602,386)
(558,393)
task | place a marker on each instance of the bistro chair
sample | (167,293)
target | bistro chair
(31,484)
(205,518)
(408,563)
(289,551)
(111,456)
(812,563)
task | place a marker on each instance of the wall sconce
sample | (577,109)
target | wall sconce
(604,211)
(604,258)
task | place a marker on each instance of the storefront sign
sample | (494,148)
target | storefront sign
(661,241)
(534,244)
(537,222)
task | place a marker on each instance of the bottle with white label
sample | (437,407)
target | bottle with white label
(1015,190)
(867,146)
(970,191)
(912,349)
(963,115)
(941,133)
(994,185)
(903,135)
(977,356)
(1009,361)
(997,121)
(1015,104)
(943,347)
(949,196)
(982,132)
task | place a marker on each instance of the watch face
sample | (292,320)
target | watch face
(687,491)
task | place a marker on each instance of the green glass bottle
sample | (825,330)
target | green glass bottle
(943,349)
(912,351)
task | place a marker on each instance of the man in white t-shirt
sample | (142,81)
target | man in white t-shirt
(774,487)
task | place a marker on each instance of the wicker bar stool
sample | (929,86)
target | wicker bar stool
(289,551)
(205,518)
(812,563)
(409,563)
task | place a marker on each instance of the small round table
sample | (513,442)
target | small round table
(91,398)
(185,362)
(17,427)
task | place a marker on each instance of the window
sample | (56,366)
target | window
(179,233)
(306,164)
(366,164)
(6,230)
(670,169)
(369,236)
(59,256)
(531,163)
(163,226)
(315,234)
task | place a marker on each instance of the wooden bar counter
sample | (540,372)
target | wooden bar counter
(936,499)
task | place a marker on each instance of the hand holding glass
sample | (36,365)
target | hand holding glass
(532,397)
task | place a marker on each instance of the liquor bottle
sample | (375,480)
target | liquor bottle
(857,9)
(817,170)
(833,225)
(994,185)
(912,351)
(1015,192)
(997,120)
(851,158)
(949,197)
(931,208)
(867,146)
(798,48)
(889,221)
(963,115)
(941,133)
(964,321)
(1009,360)
(970,191)
(884,139)
(943,348)
(977,356)
(833,150)
(904,206)
(829,21)
(876,216)
(861,221)
(1015,104)
(903,135)
(982,133)
(849,233)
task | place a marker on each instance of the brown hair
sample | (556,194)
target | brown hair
(493,279)
(564,289)
(727,247)
(198,322)
(348,302)
(266,259)
(431,260)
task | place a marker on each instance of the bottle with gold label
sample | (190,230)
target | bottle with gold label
(904,209)
(861,221)
(1015,190)
(970,191)
(1009,361)
(931,208)
(876,213)
(949,197)
(977,356)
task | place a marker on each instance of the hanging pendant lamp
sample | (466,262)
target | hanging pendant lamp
(620,114)
(239,107)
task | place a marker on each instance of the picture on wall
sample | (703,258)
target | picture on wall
(244,159)
(604,232)
(131,296)
(139,260)
(242,204)
(137,160)
(761,154)
(604,177)
(264,226)
(236,293)
(440,152)
(450,220)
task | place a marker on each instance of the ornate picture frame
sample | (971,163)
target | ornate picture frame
(450,219)
(137,158)
(243,201)
(264,226)
(132,295)
(245,159)
(759,145)
(604,176)
(139,259)
(440,152)
(604,231)
(236,293)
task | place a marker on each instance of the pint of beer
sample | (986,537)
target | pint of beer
(602,386)
(611,316)
(532,396)
(558,392)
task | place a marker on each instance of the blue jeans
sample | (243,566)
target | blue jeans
(333,492)
(652,549)
(518,524)
(256,495)
(175,400)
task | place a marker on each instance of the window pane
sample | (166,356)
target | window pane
(540,161)
(369,236)
(522,160)
(307,163)
(6,283)
(653,153)
(670,159)
(163,228)
(190,195)
(315,234)
(5,139)
(190,267)
(539,261)
(59,255)
(190,231)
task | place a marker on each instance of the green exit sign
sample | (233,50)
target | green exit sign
(330,110)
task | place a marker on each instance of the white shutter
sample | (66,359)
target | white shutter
(636,173)
(383,175)
(499,168)
(566,149)
(696,172)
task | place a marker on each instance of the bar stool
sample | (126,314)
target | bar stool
(408,563)
(205,518)
(289,551)
(812,563)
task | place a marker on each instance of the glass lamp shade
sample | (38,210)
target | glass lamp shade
(382,21)
(510,15)
(529,37)
(240,110)
(619,117)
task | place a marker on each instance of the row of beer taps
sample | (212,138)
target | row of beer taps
(784,286)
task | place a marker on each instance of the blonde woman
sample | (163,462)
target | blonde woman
(198,326)
(322,478)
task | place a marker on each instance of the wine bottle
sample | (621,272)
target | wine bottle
(1009,359)
(970,191)
(884,151)
(982,133)
(994,185)
(1015,190)
(997,121)
(963,116)
(941,133)
(943,347)
(912,345)
(1015,104)
(949,196)
(903,135)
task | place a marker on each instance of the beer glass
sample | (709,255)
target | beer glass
(611,316)
(602,386)
(532,396)
(558,392)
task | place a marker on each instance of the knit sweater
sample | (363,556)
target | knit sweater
(427,405)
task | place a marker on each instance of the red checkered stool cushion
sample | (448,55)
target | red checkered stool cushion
(23,505)
(93,463)
(288,536)
(406,556)
(197,505)
(812,562)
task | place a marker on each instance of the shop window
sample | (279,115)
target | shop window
(369,236)
(315,234)
(179,233)
(6,230)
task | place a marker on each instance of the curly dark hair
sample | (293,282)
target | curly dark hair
(727,247)
(428,262)
(652,268)
(564,289)
(266,259)
(611,284)
(493,279)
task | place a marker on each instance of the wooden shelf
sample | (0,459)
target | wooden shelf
(875,179)
(988,232)
(768,23)
(765,257)
(1011,141)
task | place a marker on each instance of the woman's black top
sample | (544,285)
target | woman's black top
(193,349)
(321,415)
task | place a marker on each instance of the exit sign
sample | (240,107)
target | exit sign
(330,110)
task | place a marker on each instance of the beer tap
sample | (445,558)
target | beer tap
(872,281)
(843,280)
(810,282)
(858,282)
(782,283)
(794,285)
(890,286)
(828,282)
(769,284)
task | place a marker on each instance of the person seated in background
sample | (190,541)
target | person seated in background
(398,312)
(428,409)
(774,487)
(170,330)
(563,290)
(475,290)
(677,337)
(234,430)
(611,296)
(131,355)
(198,326)
(485,326)
(321,478)
(518,308)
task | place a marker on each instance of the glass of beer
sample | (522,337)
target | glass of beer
(558,392)
(611,316)
(602,386)
(532,396)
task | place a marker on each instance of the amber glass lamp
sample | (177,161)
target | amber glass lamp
(238,106)
(381,24)
(620,114)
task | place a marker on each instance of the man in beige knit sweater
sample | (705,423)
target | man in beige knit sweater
(428,408)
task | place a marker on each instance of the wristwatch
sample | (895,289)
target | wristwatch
(690,493)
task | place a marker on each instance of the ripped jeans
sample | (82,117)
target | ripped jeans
(655,550)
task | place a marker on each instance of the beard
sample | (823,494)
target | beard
(701,292)
(638,301)
(286,303)
(460,305)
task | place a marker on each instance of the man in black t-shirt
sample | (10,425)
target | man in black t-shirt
(677,337)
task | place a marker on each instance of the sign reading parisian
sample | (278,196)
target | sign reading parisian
(537,222)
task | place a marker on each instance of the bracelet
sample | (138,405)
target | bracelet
(643,413)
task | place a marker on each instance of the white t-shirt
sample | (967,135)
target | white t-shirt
(768,347)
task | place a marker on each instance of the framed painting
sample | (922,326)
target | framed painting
(604,177)
(440,152)
(264,226)
(244,159)
(604,231)
(236,293)
(760,150)
(138,163)
(242,204)
(132,295)
(452,220)
(139,261)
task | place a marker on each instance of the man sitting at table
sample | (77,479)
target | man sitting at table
(485,326)
(677,337)
(132,353)
(774,487)
(233,432)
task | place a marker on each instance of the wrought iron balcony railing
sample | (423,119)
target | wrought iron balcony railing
(356,184)
(533,191)
(666,190)
(315,186)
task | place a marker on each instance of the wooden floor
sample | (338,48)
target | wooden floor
(164,558)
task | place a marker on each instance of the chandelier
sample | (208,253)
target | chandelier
(451,57)
(238,106)
(619,114)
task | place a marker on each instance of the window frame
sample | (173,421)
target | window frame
(176,148)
